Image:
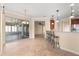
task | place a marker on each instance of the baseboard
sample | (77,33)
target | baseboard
(69,50)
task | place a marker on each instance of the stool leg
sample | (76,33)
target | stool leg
(58,45)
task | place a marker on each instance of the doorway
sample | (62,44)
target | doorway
(39,29)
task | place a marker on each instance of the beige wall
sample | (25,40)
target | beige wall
(65,25)
(69,41)
(38,29)
(47,26)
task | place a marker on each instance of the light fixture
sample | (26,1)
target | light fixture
(72,16)
(3,8)
(27,22)
(72,10)
(57,15)
(72,4)
(52,23)
(23,22)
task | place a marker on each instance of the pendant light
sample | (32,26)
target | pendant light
(72,10)
(57,11)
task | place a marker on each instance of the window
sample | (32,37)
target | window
(14,28)
(8,28)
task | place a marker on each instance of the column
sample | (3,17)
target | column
(2,30)
(31,29)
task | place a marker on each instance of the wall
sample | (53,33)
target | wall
(65,25)
(69,41)
(38,29)
(47,26)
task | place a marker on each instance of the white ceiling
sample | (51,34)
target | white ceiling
(43,9)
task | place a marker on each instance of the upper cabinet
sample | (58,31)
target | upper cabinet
(75,25)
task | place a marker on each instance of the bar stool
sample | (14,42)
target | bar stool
(56,40)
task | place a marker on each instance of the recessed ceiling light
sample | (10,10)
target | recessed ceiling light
(72,4)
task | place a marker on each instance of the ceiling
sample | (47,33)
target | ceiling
(43,9)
